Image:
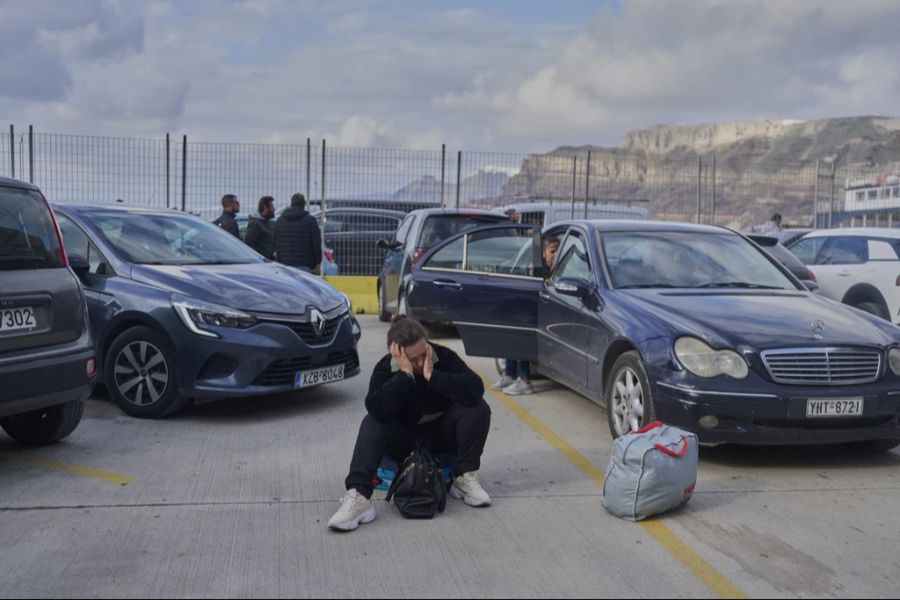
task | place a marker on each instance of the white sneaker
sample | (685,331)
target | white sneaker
(519,388)
(355,509)
(503,382)
(467,488)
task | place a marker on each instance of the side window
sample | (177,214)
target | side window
(98,263)
(881,250)
(807,249)
(572,260)
(845,251)
(502,252)
(449,257)
(74,239)
(403,230)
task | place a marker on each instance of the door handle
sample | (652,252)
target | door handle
(448,284)
(544,295)
(844,274)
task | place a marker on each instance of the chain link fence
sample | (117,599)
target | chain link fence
(366,191)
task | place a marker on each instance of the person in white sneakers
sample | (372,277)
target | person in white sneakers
(516,379)
(419,391)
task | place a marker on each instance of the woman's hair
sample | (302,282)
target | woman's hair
(405,331)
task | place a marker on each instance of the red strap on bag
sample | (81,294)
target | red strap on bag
(673,453)
(649,427)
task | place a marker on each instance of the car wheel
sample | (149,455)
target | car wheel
(44,426)
(384,315)
(872,308)
(140,374)
(629,405)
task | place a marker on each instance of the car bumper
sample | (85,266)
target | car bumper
(779,418)
(42,381)
(262,360)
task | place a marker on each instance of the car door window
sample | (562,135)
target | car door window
(881,250)
(448,257)
(808,249)
(572,259)
(403,230)
(844,250)
(74,239)
(501,251)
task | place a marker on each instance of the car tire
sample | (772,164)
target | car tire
(45,426)
(629,406)
(384,315)
(141,376)
(873,308)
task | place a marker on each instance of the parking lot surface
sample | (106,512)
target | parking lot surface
(231,499)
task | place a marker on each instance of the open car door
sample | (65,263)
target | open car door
(486,282)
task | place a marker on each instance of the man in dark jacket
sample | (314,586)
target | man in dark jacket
(230,207)
(261,228)
(298,239)
(419,391)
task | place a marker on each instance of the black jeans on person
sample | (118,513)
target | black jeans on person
(462,429)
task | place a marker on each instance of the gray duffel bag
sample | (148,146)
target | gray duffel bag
(651,471)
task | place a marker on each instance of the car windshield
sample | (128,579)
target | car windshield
(170,239)
(666,259)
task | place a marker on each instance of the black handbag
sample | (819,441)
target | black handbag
(419,490)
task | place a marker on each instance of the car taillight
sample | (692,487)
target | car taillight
(64,258)
(91,367)
(419,253)
(812,276)
(329,254)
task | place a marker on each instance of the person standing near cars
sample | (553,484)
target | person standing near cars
(298,239)
(516,379)
(230,208)
(261,228)
(418,392)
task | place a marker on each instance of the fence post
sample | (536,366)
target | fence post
(458,176)
(308,168)
(168,174)
(322,212)
(184,174)
(587,185)
(713,221)
(574,182)
(31,154)
(816,199)
(12,151)
(831,203)
(443,169)
(699,188)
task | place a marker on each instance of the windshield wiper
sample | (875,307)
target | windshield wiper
(646,286)
(738,284)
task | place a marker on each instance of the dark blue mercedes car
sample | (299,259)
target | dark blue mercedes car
(695,326)
(181,310)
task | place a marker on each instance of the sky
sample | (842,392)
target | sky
(494,75)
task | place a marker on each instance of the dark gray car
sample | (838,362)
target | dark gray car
(46,353)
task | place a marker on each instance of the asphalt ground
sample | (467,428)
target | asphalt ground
(231,500)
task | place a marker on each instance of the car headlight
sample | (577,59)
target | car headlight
(196,315)
(703,361)
(894,359)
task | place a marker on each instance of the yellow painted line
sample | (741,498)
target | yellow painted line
(362,289)
(56,465)
(712,578)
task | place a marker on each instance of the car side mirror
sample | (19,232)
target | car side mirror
(383,245)
(79,264)
(568,286)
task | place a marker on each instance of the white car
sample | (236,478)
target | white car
(859,267)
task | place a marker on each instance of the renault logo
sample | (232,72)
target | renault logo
(818,328)
(317,320)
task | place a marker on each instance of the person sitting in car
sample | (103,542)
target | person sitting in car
(419,392)
(516,379)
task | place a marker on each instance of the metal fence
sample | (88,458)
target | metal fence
(179,173)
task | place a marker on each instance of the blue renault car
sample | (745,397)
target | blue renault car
(181,310)
(695,326)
